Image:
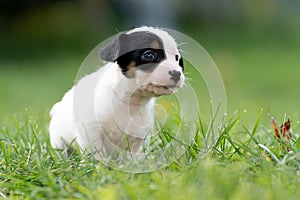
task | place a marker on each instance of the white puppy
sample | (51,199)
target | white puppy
(117,101)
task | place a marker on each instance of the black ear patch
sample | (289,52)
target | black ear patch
(114,49)
(111,51)
(181,63)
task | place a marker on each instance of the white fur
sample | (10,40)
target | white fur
(104,105)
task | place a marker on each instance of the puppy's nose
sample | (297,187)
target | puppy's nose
(175,75)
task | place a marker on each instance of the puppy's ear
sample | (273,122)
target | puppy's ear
(112,51)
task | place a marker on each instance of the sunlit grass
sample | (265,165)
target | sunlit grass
(244,163)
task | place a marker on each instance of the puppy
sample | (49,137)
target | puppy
(116,103)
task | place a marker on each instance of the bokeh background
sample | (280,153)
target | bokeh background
(255,44)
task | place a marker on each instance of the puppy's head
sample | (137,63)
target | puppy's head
(150,57)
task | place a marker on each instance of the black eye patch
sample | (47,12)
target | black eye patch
(144,59)
(149,55)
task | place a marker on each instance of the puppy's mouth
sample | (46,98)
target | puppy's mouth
(156,90)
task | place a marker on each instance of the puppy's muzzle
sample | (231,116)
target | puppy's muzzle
(175,75)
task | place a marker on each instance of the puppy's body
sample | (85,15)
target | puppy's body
(113,115)
(119,98)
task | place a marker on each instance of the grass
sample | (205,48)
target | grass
(35,84)
(244,164)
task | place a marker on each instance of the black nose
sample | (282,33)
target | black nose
(175,75)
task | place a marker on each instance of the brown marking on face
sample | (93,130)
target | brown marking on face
(131,69)
(154,45)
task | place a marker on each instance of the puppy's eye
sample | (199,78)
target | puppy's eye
(149,56)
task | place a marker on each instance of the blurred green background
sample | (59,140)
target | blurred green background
(255,44)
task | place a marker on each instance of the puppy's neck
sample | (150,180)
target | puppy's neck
(128,94)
